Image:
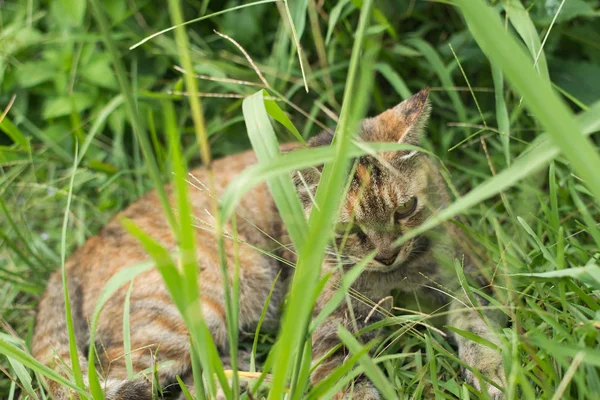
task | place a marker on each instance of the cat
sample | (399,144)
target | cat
(388,194)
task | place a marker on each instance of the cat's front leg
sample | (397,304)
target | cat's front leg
(362,389)
(481,357)
(352,315)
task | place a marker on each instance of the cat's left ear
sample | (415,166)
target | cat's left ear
(403,123)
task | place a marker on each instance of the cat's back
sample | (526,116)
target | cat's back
(154,318)
(114,248)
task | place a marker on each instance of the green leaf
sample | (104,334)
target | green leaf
(127,333)
(298,12)
(99,72)
(519,18)
(62,106)
(565,350)
(567,134)
(34,73)
(118,280)
(474,338)
(14,133)
(547,255)
(266,147)
(75,9)
(334,15)
(501,111)
(537,94)
(570,9)
(298,312)
(293,161)
(371,369)
(590,274)
(148,38)
(394,79)
(73,349)
(24,377)
(277,113)
(443,74)
(589,220)
(27,360)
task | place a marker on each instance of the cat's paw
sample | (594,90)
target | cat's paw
(491,368)
(362,390)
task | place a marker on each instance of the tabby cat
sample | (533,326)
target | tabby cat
(387,195)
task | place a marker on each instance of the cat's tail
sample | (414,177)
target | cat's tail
(51,344)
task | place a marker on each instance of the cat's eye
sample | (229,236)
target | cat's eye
(344,228)
(406,209)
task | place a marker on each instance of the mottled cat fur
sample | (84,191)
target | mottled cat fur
(376,212)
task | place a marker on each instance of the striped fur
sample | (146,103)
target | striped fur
(378,188)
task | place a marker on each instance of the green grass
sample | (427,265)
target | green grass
(96,114)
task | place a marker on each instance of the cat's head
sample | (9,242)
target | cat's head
(388,194)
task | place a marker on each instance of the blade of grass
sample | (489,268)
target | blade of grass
(547,255)
(432,366)
(24,378)
(57,148)
(554,217)
(323,386)
(443,74)
(187,234)
(301,6)
(263,314)
(394,79)
(294,161)
(264,143)
(519,18)
(146,39)
(540,153)
(339,294)
(131,109)
(14,133)
(127,333)
(184,389)
(501,111)
(334,15)
(191,315)
(68,315)
(99,123)
(27,360)
(537,93)
(278,115)
(115,283)
(375,374)
(587,217)
(297,315)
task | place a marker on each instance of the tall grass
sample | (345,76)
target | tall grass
(541,233)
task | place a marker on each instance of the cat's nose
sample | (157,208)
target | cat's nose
(388,259)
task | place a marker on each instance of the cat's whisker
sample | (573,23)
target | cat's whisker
(205,227)
(204,189)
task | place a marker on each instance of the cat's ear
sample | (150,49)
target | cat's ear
(403,123)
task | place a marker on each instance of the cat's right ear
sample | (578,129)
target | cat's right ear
(402,124)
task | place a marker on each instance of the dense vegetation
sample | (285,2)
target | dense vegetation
(85,130)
